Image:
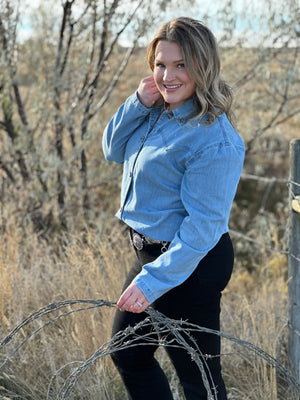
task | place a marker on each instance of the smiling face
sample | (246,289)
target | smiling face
(170,74)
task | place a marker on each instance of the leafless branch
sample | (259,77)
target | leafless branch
(7,171)
(113,83)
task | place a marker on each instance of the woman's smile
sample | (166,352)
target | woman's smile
(172,87)
(170,74)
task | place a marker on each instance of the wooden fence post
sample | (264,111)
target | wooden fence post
(294,260)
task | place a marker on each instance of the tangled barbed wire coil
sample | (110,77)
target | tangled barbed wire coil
(181,333)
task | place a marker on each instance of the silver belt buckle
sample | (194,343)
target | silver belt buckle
(137,241)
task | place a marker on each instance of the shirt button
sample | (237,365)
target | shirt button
(143,139)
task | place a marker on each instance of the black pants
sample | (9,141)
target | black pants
(196,300)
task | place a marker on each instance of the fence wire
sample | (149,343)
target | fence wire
(293,196)
(181,333)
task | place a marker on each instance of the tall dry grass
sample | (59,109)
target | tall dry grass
(35,272)
(255,309)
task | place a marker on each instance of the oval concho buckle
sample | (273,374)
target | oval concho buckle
(137,241)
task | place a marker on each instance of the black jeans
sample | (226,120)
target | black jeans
(197,300)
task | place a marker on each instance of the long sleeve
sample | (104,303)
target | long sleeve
(207,191)
(178,184)
(124,123)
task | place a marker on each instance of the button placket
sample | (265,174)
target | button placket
(152,122)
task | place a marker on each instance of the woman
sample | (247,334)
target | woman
(182,163)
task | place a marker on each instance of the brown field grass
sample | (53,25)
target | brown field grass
(91,266)
(91,263)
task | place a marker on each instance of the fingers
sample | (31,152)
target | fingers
(147,92)
(137,307)
(133,300)
(124,298)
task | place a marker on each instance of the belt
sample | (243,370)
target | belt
(138,241)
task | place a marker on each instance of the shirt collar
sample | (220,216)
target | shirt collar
(183,111)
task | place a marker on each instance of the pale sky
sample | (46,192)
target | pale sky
(246,9)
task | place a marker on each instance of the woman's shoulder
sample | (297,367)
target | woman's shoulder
(221,131)
(218,139)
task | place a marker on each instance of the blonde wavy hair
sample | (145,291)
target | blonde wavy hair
(200,51)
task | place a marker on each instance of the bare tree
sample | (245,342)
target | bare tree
(56,91)
(263,38)
(48,125)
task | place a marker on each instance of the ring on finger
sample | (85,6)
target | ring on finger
(139,304)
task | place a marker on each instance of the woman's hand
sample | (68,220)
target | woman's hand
(148,93)
(133,300)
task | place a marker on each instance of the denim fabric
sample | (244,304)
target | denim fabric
(197,300)
(179,181)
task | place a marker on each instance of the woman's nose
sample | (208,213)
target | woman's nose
(168,74)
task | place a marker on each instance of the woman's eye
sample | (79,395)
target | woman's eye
(160,65)
(180,66)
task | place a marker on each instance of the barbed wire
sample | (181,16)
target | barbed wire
(271,181)
(263,179)
(284,320)
(180,333)
(259,243)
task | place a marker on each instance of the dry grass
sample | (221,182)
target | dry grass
(89,266)
(255,309)
(92,264)
(35,274)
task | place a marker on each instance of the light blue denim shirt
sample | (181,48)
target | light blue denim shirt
(179,181)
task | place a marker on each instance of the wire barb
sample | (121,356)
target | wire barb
(180,333)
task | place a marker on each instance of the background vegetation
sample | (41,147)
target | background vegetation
(58,196)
